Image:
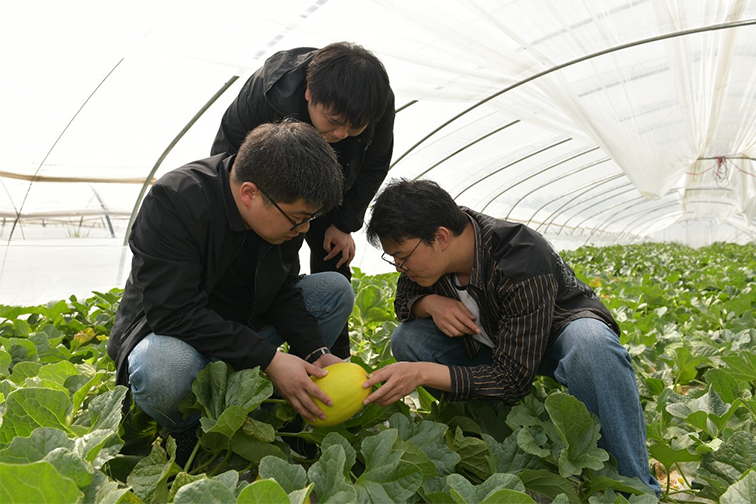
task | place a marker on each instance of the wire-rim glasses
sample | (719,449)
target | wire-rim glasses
(294,224)
(401,266)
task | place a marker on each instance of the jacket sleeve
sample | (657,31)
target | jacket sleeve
(248,110)
(168,271)
(524,328)
(407,294)
(290,317)
(349,216)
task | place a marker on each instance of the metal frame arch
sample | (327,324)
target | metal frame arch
(552,181)
(602,228)
(544,170)
(681,33)
(463,148)
(512,164)
(627,204)
(168,149)
(643,214)
(559,211)
(614,177)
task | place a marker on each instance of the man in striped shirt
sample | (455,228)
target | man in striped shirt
(487,304)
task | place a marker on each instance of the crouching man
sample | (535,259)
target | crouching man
(215,275)
(487,304)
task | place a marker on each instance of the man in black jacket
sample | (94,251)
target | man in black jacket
(343,90)
(487,304)
(215,274)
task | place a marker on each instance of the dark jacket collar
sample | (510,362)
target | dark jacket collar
(478,275)
(235,220)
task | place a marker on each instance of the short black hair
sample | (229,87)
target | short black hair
(413,209)
(290,160)
(350,80)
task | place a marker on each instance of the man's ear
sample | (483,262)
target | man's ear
(248,191)
(308,94)
(443,237)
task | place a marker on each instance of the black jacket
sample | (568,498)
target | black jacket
(185,236)
(277,90)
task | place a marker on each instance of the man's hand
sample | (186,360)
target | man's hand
(402,378)
(326,360)
(338,241)
(451,316)
(290,376)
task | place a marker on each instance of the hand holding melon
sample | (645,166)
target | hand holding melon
(343,384)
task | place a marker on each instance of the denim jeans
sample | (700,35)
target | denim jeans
(162,368)
(587,358)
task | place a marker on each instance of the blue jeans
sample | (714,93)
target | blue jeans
(162,368)
(587,358)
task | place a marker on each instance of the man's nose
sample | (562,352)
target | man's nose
(341,132)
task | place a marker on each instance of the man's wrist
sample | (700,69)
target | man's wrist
(316,354)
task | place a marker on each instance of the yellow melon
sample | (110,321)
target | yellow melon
(343,384)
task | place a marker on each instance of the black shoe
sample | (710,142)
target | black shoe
(185,443)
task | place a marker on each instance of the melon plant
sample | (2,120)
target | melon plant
(687,318)
(343,384)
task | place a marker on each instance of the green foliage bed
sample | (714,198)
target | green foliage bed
(687,318)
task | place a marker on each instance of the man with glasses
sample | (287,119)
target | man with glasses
(487,304)
(215,276)
(343,91)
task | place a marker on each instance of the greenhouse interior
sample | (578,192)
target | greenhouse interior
(622,131)
(593,122)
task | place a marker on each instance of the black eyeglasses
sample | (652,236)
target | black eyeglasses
(294,224)
(401,266)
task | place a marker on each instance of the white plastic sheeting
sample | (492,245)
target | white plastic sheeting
(595,121)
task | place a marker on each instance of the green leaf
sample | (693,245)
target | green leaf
(227,423)
(250,448)
(247,389)
(99,446)
(549,484)
(667,455)
(532,440)
(725,385)
(328,476)
(733,458)
(429,437)
(742,491)
(387,478)
(5,361)
(259,430)
(34,448)
(508,496)
(182,479)
(579,432)
(265,491)
(291,477)
(149,477)
(71,466)
(334,438)
(474,454)
(742,366)
(81,394)
(206,491)
(30,408)
(489,491)
(36,482)
(105,410)
(508,457)
(24,370)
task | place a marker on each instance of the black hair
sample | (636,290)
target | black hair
(290,160)
(351,81)
(413,209)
